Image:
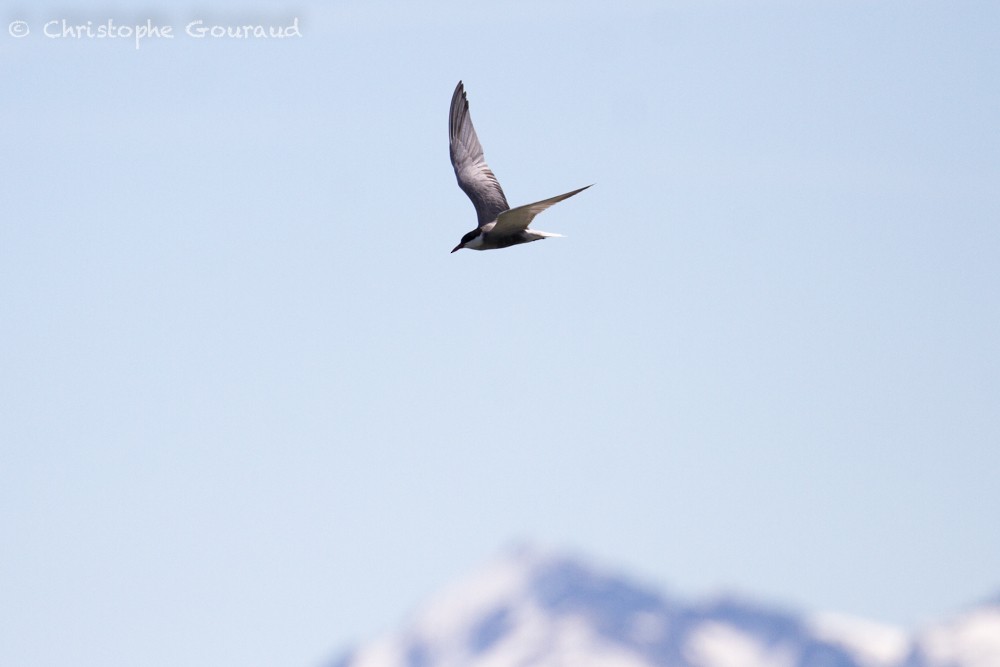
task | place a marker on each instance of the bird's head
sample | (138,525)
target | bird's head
(468,238)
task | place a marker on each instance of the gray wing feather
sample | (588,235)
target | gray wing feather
(474,176)
(517,219)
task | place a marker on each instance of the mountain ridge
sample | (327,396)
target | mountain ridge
(531,608)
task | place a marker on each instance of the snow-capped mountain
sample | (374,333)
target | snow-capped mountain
(970,640)
(529,609)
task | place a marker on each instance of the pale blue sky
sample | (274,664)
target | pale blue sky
(252,410)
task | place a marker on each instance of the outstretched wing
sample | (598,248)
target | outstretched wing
(517,219)
(474,176)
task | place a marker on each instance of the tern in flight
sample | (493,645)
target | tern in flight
(500,226)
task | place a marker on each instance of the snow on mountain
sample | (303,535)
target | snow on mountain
(972,639)
(872,644)
(531,609)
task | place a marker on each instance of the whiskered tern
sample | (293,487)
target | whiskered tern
(500,226)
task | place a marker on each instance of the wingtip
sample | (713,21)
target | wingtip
(456,97)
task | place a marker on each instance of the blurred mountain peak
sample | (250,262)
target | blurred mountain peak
(534,607)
